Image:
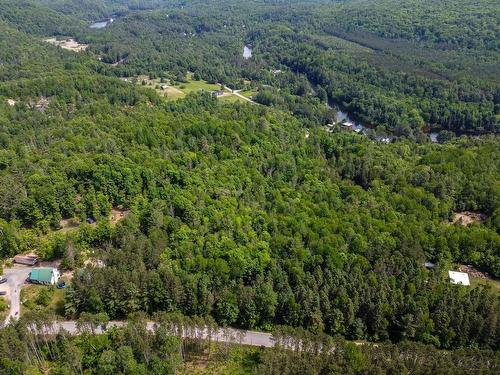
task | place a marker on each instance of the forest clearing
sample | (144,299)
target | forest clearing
(69,44)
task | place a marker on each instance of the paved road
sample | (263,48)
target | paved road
(222,335)
(229,335)
(16,277)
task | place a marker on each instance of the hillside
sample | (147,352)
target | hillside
(262,214)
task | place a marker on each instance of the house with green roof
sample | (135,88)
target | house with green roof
(45,276)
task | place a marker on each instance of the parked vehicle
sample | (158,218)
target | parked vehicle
(61,285)
(3,279)
(3,292)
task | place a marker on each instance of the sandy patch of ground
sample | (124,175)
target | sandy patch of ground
(473,272)
(468,217)
(69,44)
(118,214)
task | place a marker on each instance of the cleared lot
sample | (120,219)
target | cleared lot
(16,276)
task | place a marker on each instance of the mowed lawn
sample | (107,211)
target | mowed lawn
(195,86)
(181,89)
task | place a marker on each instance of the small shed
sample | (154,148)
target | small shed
(459,278)
(28,260)
(45,276)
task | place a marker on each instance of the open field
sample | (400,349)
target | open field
(230,98)
(70,44)
(192,85)
(177,90)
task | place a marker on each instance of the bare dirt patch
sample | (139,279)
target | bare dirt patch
(473,272)
(118,214)
(468,217)
(69,44)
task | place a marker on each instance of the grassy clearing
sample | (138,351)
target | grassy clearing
(4,308)
(174,91)
(43,298)
(232,99)
(195,86)
(491,283)
(236,360)
(177,90)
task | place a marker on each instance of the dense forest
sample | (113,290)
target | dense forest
(252,215)
(400,71)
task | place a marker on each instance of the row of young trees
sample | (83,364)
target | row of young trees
(36,346)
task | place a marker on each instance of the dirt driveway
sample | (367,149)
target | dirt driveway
(16,277)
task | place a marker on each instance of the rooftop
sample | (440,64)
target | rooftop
(459,278)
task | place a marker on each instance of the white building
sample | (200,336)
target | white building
(459,278)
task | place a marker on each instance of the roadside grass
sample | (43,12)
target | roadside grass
(224,360)
(4,309)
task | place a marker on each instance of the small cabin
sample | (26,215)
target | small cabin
(44,276)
